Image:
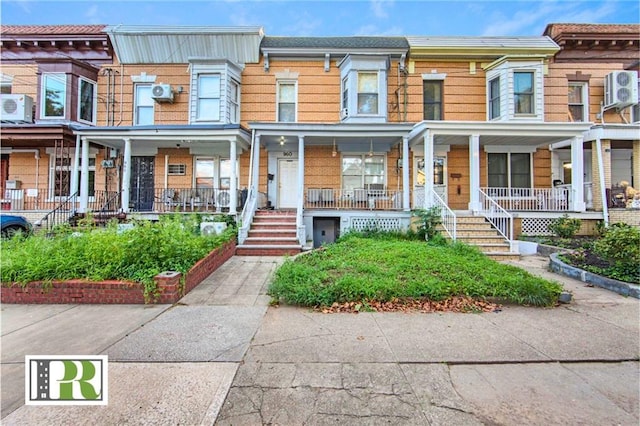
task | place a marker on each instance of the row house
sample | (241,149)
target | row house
(328,134)
(48,84)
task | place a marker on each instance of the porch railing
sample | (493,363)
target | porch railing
(499,218)
(558,199)
(61,214)
(246,217)
(356,199)
(165,200)
(447,216)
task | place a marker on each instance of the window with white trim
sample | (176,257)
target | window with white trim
(286,101)
(509,170)
(494,98)
(360,170)
(234,101)
(60,170)
(144,107)
(432,99)
(6,83)
(367,93)
(523,92)
(345,93)
(208,107)
(87,101)
(54,95)
(578,101)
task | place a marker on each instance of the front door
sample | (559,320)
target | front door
(287,183)
(142,181)
(439,179)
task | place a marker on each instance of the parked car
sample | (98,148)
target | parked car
(13,224)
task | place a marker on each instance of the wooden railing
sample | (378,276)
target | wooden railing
(355,199)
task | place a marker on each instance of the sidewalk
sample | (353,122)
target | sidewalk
(221,353)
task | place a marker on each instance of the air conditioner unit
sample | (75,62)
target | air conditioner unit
(344,113)
(108,164)
(16,108)
(162,93)
(620,89)
(223,199)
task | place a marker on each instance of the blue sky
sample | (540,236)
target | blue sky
(332,17)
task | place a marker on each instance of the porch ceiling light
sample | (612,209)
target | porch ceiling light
(334,152)
(282,140)
(371,147)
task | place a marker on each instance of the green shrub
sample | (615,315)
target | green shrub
(565,227)
(620,245)
(429,219)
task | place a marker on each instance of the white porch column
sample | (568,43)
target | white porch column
(256,165)
(474,173)
(428,169)
(126,176)
(84,177)
(406,184)
(233,185)
(300,203)
(75,185)
(577,174)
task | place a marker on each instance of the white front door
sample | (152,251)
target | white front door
(439,179)
(287,184)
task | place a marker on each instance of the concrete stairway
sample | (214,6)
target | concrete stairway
(476,231)
(272,233)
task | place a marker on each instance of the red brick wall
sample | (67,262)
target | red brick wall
(117,292)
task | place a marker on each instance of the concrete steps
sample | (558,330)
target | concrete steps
(272,233)
(476,231)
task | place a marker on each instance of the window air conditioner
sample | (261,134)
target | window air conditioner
(162,93)
(620,89)
(108,164)
(17,108)
(344,113)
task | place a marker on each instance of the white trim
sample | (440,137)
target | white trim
(43,88)
(280,83)
(434,76)
(510,148)
(143,78)
(584,89)
(94,99)
(287,75)
(135,105)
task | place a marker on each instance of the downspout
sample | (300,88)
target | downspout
(603,189)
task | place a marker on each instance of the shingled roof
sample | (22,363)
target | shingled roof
(554,30)
(355,42)
(43,30)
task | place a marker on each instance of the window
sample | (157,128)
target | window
(54,94)
(5,84)
(286,101)
(509,170)
(577,104)
(60,176)
(432,90)
(234,102)
(204,172)
(345,93)
(177,169)
(523,92)
(367,93)
(87,101)
(208,108)
(361,170)
(225,173)
(143,105)
(494,98)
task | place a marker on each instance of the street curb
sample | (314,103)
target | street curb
(620,287)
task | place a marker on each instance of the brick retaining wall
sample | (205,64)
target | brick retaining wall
(117,292)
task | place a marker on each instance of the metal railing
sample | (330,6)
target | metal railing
(62,214)
(499,218)
(246,217)
(355,199)
(166,200)
(447,216)
(557,199)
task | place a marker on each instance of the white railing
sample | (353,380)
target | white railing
(447,216)
(588,195)
(556,199)
(499,218)
(356,199)
(246,217)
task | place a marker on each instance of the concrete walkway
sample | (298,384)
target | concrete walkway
(222,356)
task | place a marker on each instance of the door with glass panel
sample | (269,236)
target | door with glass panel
(439,179)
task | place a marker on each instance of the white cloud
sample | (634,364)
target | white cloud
(534,19)
(304,24)
(380,8)
(92,14)
(373,30)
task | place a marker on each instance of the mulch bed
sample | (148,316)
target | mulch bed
(461,304)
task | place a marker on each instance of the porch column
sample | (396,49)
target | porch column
(255,181)
(428,169)
(474,173)
(126,176)
(577,174)
(84,177)
(300,202)
(406,185)
(75,185)
(233,185)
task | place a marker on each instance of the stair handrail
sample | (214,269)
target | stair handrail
(50,217)
(447,216)
(249,208)
(498,217)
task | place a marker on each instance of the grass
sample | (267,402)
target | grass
(359,269)
(172,244)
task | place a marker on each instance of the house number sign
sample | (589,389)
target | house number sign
(287,154)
